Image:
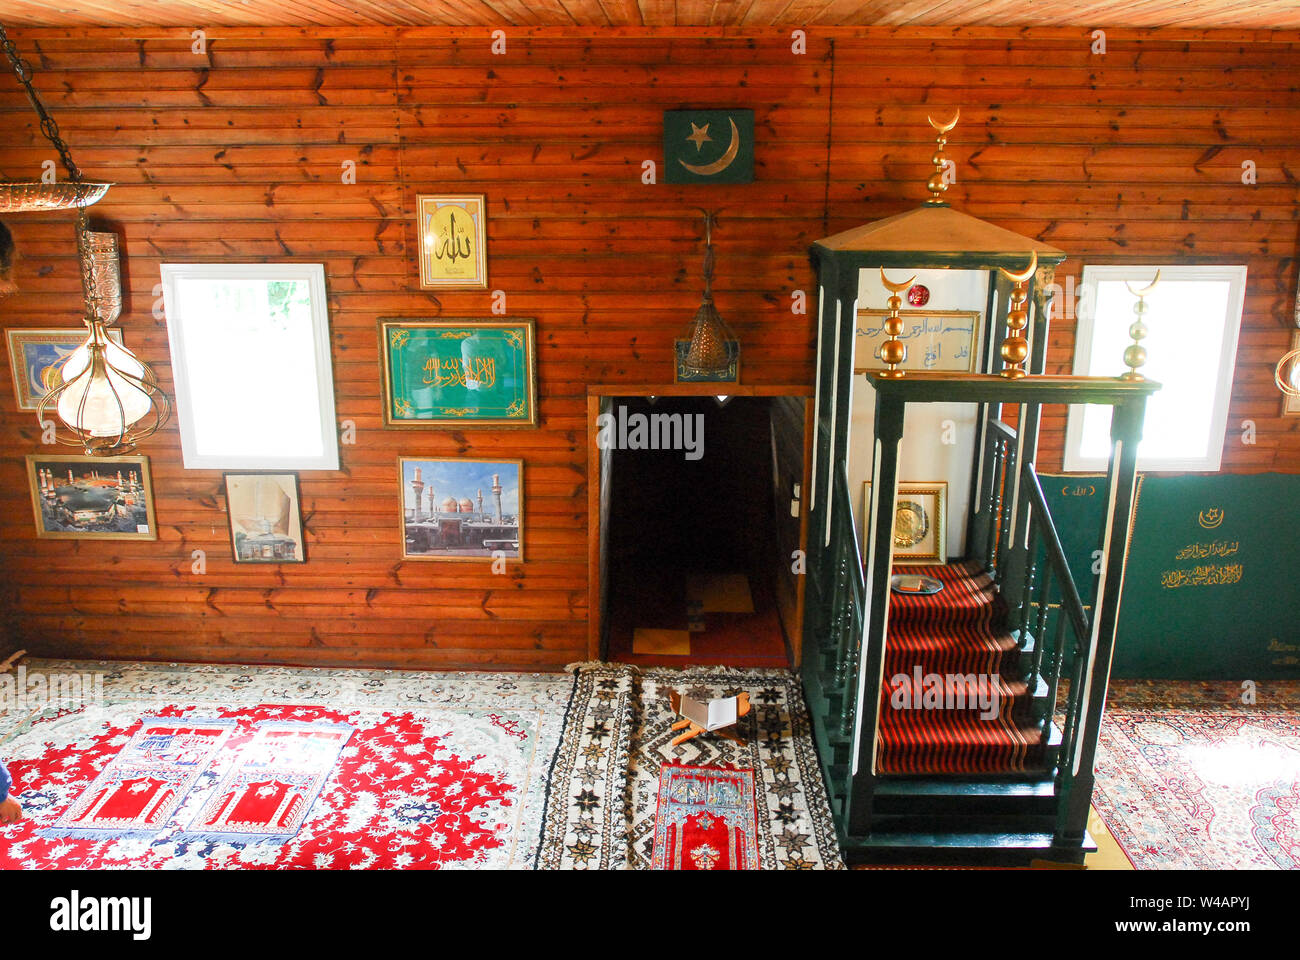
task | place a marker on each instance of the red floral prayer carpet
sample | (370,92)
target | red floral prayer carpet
(705,820)
(213,767)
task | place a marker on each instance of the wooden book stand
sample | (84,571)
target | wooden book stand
(694,729)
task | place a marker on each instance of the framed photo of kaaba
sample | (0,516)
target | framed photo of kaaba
(92,498)
(458,508)
(265,515)
(37,355)
(920,522)
(459,373)
(453,241)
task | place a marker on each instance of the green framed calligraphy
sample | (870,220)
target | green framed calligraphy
(459,372)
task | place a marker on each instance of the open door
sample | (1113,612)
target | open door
(790,430)
(692,548)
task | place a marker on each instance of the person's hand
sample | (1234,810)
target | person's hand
(10,811)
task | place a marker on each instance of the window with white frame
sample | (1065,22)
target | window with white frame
(1193,318)
(251,361)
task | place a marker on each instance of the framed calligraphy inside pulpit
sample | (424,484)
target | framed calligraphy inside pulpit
(453,242)
(935,339)
(459,373)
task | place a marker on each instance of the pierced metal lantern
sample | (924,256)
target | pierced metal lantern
(711,350)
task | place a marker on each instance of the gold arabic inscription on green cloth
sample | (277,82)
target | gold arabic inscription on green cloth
(479,372)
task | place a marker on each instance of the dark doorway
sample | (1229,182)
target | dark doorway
(692,550)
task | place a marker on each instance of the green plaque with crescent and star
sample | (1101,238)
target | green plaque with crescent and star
(708,146)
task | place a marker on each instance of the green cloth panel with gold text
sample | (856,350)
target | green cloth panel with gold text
(1211,590)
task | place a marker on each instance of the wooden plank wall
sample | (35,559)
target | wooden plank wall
(236,154)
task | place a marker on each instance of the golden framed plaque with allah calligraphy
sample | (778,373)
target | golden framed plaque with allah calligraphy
(453,242)
(459,373)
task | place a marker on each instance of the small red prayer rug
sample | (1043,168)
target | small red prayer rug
(137,792)
(706,819)
(269,790)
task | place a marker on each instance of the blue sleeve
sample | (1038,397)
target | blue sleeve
(5,782)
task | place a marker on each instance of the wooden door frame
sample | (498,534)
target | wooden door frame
(595,393)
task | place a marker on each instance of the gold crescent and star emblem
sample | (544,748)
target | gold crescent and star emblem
(1212,518)
(699,135)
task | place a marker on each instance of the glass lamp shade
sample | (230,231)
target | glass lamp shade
(100,398)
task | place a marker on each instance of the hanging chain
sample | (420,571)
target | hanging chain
(23,71)
(709,219)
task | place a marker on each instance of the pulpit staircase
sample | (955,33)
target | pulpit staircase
(996,766)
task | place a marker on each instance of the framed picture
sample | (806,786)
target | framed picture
(935,339)
(920,522)
(453,242)
(265,518)
(92,498)
(459,373)
(461,509)
(36,355)
(1291,405)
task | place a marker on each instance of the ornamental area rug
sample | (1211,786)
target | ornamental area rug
(1189,777)
(601,812)
(705,819)
(440,770)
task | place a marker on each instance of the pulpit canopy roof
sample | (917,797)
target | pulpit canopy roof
(936,230)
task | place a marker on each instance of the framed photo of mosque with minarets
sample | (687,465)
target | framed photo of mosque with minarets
(461,509)
(459,373)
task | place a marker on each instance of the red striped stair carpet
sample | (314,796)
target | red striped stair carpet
(934,721)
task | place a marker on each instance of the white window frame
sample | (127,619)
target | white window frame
(314,274)
(1139,275)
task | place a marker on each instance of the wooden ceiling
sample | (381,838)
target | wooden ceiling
(1199,14)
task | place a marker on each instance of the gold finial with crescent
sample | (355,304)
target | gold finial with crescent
(937,184)
(893,287)
(893,351)
(1145,290)
(943,128)
(1024,275)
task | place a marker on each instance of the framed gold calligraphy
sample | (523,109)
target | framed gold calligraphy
(458,373)
(920,522)
(453,242)
(935,339)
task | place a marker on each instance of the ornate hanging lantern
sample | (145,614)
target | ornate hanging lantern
(713,351)
(105,397)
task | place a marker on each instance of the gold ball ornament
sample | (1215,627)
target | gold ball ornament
(1135,356)
(893,352)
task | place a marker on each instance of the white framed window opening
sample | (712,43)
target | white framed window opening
(1193,319)
(251,362)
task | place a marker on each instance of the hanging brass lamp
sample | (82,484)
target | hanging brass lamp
(106,398)
(712,350)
